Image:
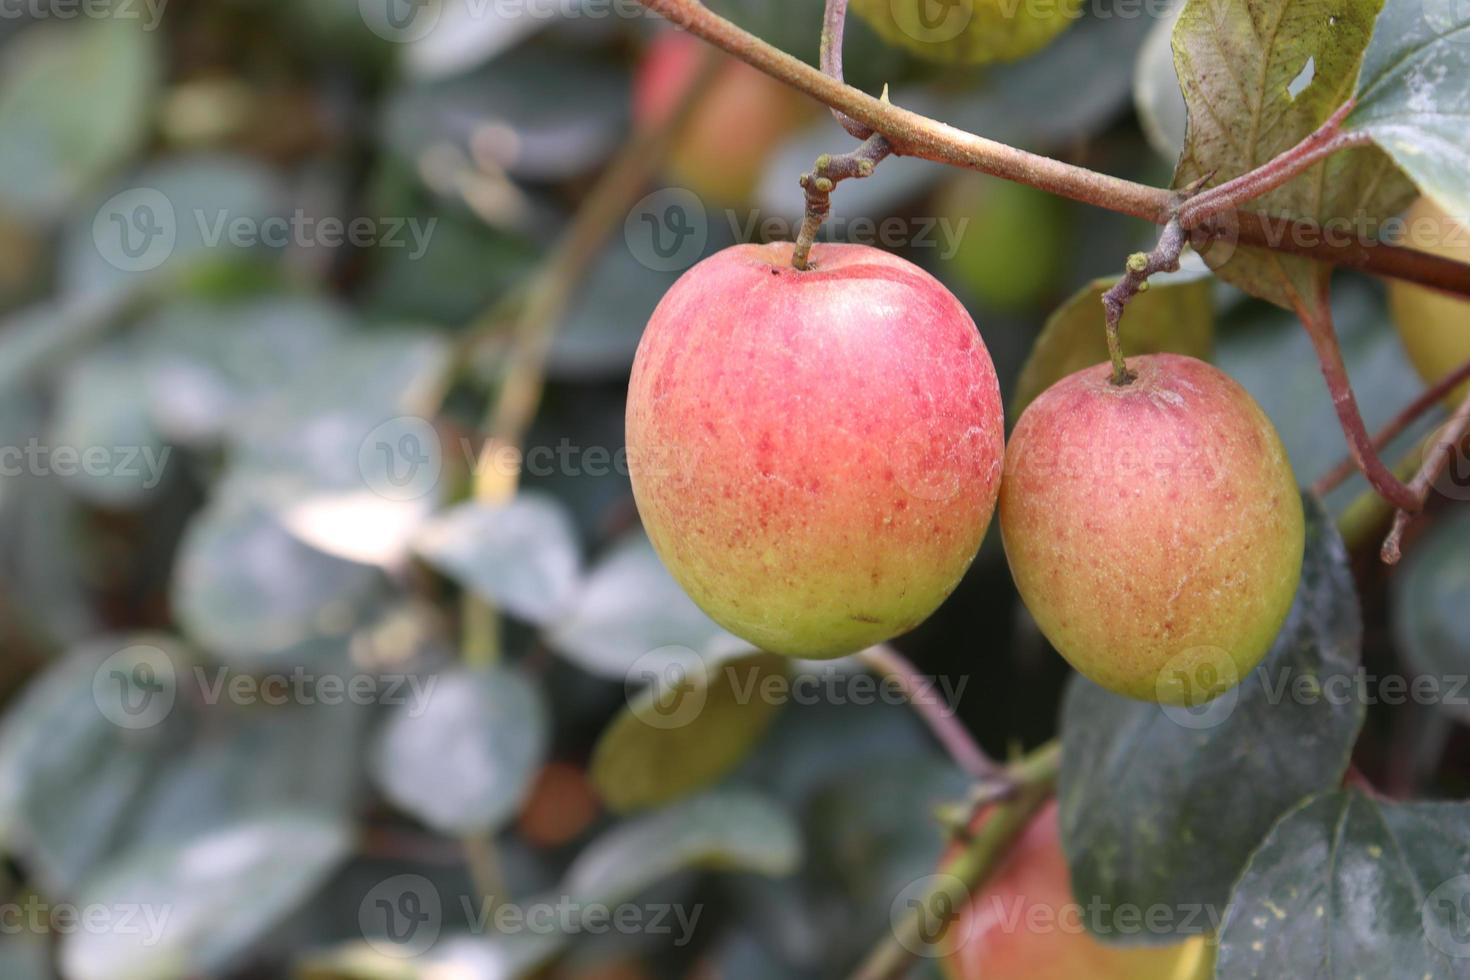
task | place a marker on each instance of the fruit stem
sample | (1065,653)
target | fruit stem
(1441,447)
(1034,779)
(1396,427)
(827,174)
(1141,265)
(911,134)
(940,717)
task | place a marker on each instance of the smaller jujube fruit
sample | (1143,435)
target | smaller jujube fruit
(815,454)
(1025,924)
(1154,529)
(1434,327)
(968,31)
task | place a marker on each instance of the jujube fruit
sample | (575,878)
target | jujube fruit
(815,454)
(1025,924)
(1154,529)
(1434,326)
(969,31)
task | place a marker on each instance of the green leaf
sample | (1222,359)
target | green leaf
(723,831)
(686,729)
(1176,314)
(210,896)
(118,459)
(463,760)
(1347,886)
(75,101)
(1430,595)
(1164,805)
(1413,94)
(522,555)
(253,595)
(1257,79)
(629,607)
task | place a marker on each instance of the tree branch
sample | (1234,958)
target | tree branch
(834,22)
(1442,447)
(911,134)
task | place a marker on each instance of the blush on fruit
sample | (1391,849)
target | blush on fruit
(1154,529)
(815,454)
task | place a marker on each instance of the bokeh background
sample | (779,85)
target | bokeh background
(289,286)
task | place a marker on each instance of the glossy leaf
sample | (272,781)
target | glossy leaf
(686,729)
(1413,92)
(1348,886)
(462,760)
(1153,807)
(523,555)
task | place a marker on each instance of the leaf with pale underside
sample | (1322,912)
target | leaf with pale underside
(1414,96)
(1258,77)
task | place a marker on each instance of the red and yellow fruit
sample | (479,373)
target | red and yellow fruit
(1154,529)
(1434,326)
(1025,924)
(815,454)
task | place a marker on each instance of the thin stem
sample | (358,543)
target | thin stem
(1034,777)
(1141,265)
(1442,447)
(1318,322)
(1326,140)
(483,861)
(911,134)
(940,718)
(833,23)
(829,172)
(1396,427)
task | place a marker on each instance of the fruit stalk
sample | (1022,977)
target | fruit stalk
(911,134)
(1141,265)
(940,718)
(826,175)
(1436,458)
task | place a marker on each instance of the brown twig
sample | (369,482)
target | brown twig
(1442,448)
(828,173)
(834,22)
(1395,427)
(1318,322)
(911,134)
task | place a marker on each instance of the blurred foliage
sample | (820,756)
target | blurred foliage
(259,260)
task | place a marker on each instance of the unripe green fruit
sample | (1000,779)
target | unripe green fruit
(1154,529)
(1434,327)
(970,31)
(815,454)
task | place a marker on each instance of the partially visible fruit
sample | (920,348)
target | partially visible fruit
(1434,326)
(1154,530)
(970,31)
(1009,251)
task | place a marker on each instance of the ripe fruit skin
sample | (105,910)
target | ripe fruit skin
(1155,529)
(1025,924)
(815,455)
(1434,327)
(741,117)
(970,31)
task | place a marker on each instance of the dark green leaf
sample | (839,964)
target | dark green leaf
(691,724)
(522,556)
(1347,886)
(463,759)
(1164,805)
(1413,95)
(203,900)
(1430,596)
